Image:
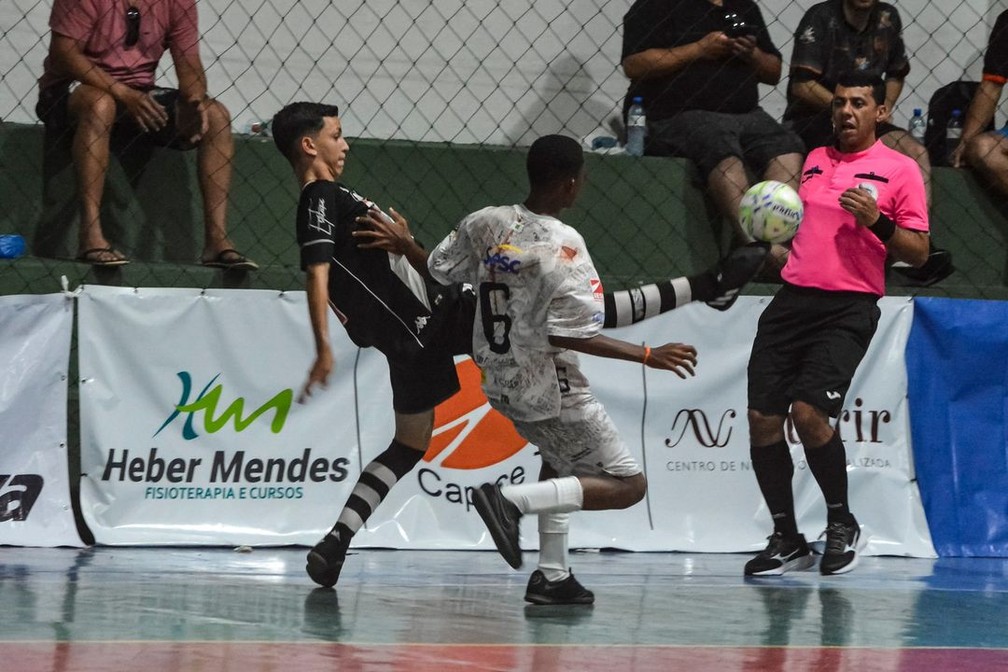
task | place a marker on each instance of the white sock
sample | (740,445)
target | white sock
(553,561)
(554,495)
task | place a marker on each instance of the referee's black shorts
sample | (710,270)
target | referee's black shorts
(808,345)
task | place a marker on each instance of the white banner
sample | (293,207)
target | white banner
(34,483)
(189,434)
(702,493)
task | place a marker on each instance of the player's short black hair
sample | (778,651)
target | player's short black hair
(553,158)
(297,120)
(861,78)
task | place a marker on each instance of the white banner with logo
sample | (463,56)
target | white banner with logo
(35,505)
(190,430)
(189,434)
(702,493)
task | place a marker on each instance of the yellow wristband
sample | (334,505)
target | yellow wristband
(647,355)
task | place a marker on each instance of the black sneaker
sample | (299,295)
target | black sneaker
(843,545)
(565,591)
(735,271)
(325,560)
(501,518)
(782,554)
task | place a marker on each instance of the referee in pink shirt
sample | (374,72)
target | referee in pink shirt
(863,202)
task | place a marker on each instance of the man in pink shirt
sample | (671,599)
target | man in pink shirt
(99,76)
(863,201)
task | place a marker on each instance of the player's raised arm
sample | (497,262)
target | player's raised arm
(679,358)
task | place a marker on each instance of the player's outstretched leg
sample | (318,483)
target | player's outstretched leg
(735,271)
(501,518)
(325,560)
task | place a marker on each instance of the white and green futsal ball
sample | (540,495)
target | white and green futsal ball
(771,211)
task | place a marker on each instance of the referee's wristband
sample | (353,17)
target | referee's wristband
(883,228)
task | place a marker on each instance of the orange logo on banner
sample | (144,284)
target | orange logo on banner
(492,440)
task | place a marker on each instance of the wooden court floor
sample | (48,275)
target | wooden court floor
(200,609)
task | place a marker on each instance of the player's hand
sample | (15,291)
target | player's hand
(861,204)
(678,358)
(192,120)
(384,232)
(318,376)
(148,114)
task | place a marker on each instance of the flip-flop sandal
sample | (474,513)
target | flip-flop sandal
(230,260)
(96,257)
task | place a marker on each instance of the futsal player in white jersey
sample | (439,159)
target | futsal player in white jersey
(540,302)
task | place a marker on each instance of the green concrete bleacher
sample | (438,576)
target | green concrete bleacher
(643,218)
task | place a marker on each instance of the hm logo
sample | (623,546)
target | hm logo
(207,400)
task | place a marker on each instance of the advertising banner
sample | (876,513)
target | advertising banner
(190,430)
(190,434)
(35,505)
(702,493)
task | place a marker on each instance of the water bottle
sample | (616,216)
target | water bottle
(257,128)
(953,134)
(636,128)
(917,126)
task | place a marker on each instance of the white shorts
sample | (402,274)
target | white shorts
(582,441)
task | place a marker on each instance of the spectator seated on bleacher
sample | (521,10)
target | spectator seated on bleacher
(99,79)
(987,151)
(698,70)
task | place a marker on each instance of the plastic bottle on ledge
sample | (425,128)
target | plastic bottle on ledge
(953,134)
(636,127)
(917,126)
(257,128)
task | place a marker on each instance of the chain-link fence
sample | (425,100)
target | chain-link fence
(437,98)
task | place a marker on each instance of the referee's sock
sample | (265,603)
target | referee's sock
(828,464)
(774,469)
(374,484)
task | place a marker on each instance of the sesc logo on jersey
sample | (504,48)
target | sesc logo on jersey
(497,259)
(597,291)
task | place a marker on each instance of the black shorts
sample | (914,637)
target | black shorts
(708,138)
(808,345)
(422,380)
(52,110)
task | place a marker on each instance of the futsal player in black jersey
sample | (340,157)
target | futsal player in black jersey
(381,301)
(416,323)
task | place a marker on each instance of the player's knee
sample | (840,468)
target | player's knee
(810,422)
(765,429)
(218,115)
(980,149)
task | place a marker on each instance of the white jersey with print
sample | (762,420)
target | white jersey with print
(534,279)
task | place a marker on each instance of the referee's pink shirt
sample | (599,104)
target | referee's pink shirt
(831,250)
